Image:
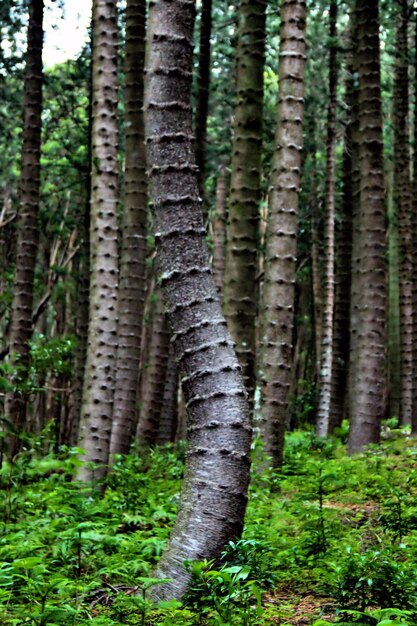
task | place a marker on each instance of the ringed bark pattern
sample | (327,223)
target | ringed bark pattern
(132,274)
(369,379)
(28,228)
(277,306)
(213,498)
(97,408)
(240,303)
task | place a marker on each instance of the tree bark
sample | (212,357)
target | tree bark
(203,91)
(132,277)
(368,397)
(218,226)
(277,307)
(99,380)
(240,303)
(168,419)
(402,199)
(325,371)
(414,232)
(216,478)
(28,228)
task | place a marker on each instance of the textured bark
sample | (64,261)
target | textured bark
(343,269)
(216,477)
(414,227)
(154,374)
(317,280)
(240,303)
(28,229)
(325,371)
(277,306)
(203,90)
(132,276)
(402,198)
(369,381)
(168,419)
(97,406)
(218,226)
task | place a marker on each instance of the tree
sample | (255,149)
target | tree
(217,469)
(368,392)
(203,84)
(240,303)
(402,199)
(28,231)
(325,372)
(96,414)
(132,277)
(277,305)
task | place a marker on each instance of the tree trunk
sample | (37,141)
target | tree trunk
(28,229)
(414,227)
(97,406)
(218,226)
(216,478)
(240,303)
(325,371)
(402,199)
(132,277)
(168,419)
(277,307)
(203,91)
(369,381)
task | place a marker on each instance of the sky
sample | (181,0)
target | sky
(65,30)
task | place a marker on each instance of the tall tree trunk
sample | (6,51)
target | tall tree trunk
(168,419)
(325,371)
(277,307)
(216,477)
(203,90)
(218,226)
(368,378)
(132,277)
(402,199)
(28,229)
(240,304)
(97,406)
(414,227)
(343,234)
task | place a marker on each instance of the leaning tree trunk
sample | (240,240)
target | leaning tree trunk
(402,199)
(216,477)
(28,230)
(132,277)
(97,406)
(240,303)
(368,395)
(325,371)
(277,306)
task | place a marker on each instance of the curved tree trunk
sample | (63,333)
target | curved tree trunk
(325,371)
(402,199)
(28,229)
(277,306)
(97,406)
(216,478)
(368,394)
(132,277)
(240,303)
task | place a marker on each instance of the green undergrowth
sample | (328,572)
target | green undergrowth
(329,539)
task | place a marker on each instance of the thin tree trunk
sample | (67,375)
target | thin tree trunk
(168,419)
(368,404)
(219,230)
(325,371)
(277,307)
(28,229)
(216,477)
(99,380)
(240,303)
(203,90)
(402,199)
(132,277)
(414,227)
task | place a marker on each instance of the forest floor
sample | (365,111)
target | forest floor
(328,539)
